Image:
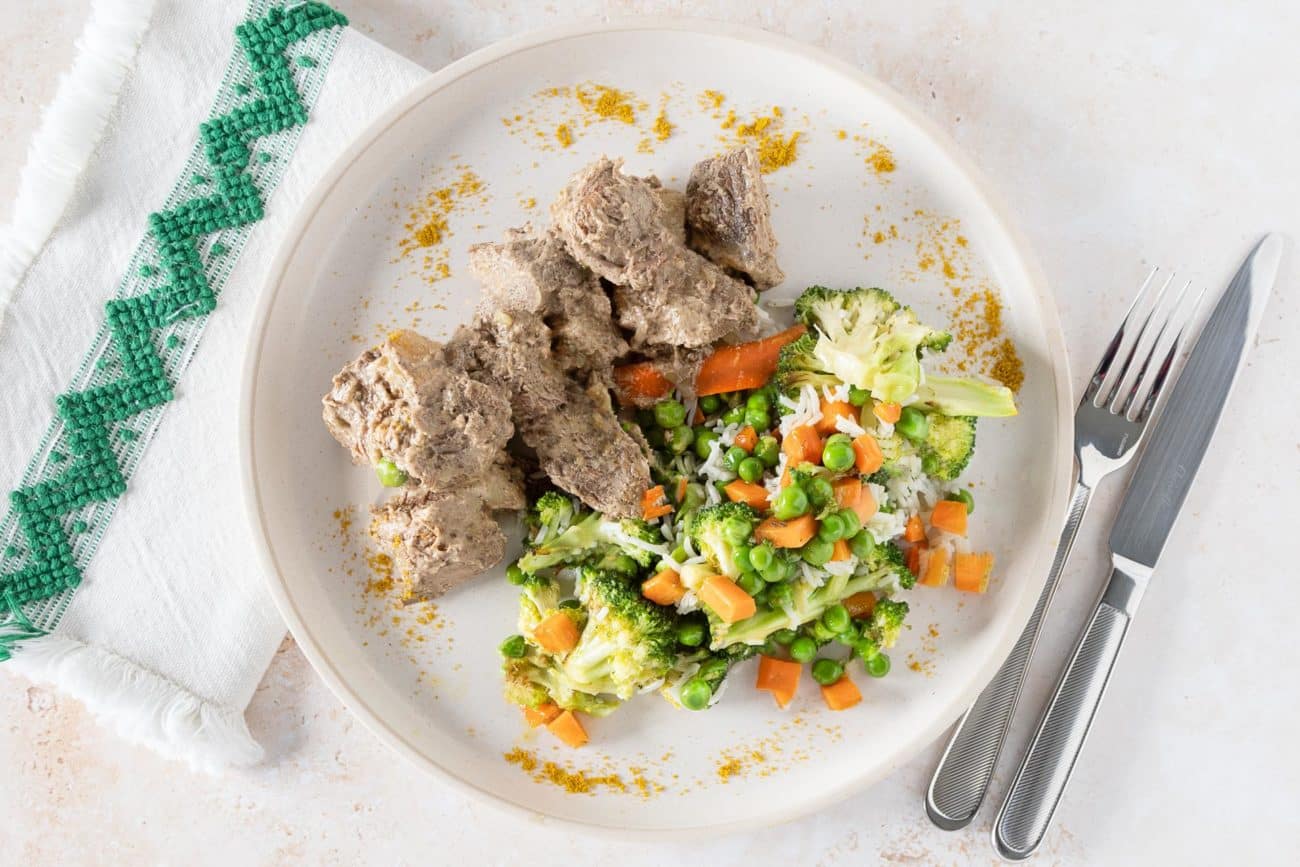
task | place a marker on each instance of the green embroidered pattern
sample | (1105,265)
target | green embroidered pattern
(93,420)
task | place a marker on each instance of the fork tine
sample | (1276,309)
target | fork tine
(1110,386)
(1125,397)
(1103,366)
(1148,402)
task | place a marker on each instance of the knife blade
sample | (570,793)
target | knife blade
(1182,433)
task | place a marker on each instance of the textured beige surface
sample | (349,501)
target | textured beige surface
(1120,134)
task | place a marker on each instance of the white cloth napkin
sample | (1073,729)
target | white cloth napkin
(170,629)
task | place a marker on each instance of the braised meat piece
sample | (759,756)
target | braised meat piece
(729,217)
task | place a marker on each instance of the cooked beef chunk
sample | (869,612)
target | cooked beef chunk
(729,216)
(616,225)
(674,209)
(403,402)
(537,274)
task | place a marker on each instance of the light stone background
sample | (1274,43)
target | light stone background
(1121,134)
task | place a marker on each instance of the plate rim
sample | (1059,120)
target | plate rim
(439,80)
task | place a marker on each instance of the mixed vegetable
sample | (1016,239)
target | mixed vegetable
(810,482)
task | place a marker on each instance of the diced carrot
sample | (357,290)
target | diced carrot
(914,559)
(542,714)
(785,477)
(699,416)
(640,382)
(747,438)
(850,493)
(867,456)
(934,572)
(557,633)
(832,411)
(842,694)
(726,599)
(888,412)
(787,534)
(567,728)
(803,445)
(749,493)
(663,588)
(971,572)
(840,551)
(779,677)
(860,604)
(743,365)
(914,530)
(866,506)
(654,503)
(949,516)
(681,489)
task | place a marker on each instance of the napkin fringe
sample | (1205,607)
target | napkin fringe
(70,129)
(142,706)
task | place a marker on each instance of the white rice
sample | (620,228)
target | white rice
(727,433)
(812,576)
(688,603)
(848,425)
(625,538)
(713,469)
(651,686)
(717,693)
(838,394)
(910,489)
(842,568)
(806,409)
(884,526)
(773,484)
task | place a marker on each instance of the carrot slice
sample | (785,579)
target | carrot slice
(726,599)
(779,677)
(914,559)
(949,516)
(842,694)
(747,438)
(743,365)
(749,493)
(832,411)
(640,382)
(840,551)
(681,489)
(803,445)
(860,604)
(557,633)
(787,534)
(888,412)
(567,728)
(867,456)
(542,714)
(663,588)
(935,571)
(654,503)
(914,530)
(852,494)
(971,572)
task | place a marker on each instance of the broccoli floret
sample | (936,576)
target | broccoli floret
(539,596)
(948,447)
(953,395)
(886,622)
(862,337)
(627,643)
(589,539)
(718,531)
(888,558)
(796,366)
(536,679)
(550,516)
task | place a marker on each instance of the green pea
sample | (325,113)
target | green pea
(758,419)
(827,671)
(780,595)
(390,476)
(742,557)
(783,637)
(819,491)
(704,439)
(866,650)
(803,649)
(913,424)
(758,402)
(790,503)
(695,694)
(514,647)
(712,669)
(669,414)
(817,551)
(515,575)
(570,603)
(624,565)
(862,545)
(680,439)
(710,404)
(832,528)
(761,556)
(837,619)
(733,457)
(690,633)
(773,572)
(750,583)
(858,396)
(819,632)
(735,415)
(737,530)
(750,469)
(850,635)
(878,665)
(838,454)
(961,495)
(679,554)
(852,523)
(768,450)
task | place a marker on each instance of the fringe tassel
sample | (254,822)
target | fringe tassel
(70,130)
(140,705)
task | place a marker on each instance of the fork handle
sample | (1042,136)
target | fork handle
(962,777)
(1039,784)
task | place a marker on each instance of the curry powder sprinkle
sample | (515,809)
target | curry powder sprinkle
(564,135)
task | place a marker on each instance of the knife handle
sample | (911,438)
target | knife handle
(1039,784)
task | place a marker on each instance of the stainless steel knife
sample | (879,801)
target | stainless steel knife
(1151,505)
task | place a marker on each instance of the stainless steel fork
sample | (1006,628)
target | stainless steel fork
(1108,425)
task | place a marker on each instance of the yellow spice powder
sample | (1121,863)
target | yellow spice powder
(564,135)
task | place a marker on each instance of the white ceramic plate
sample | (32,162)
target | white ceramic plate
(432,690)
